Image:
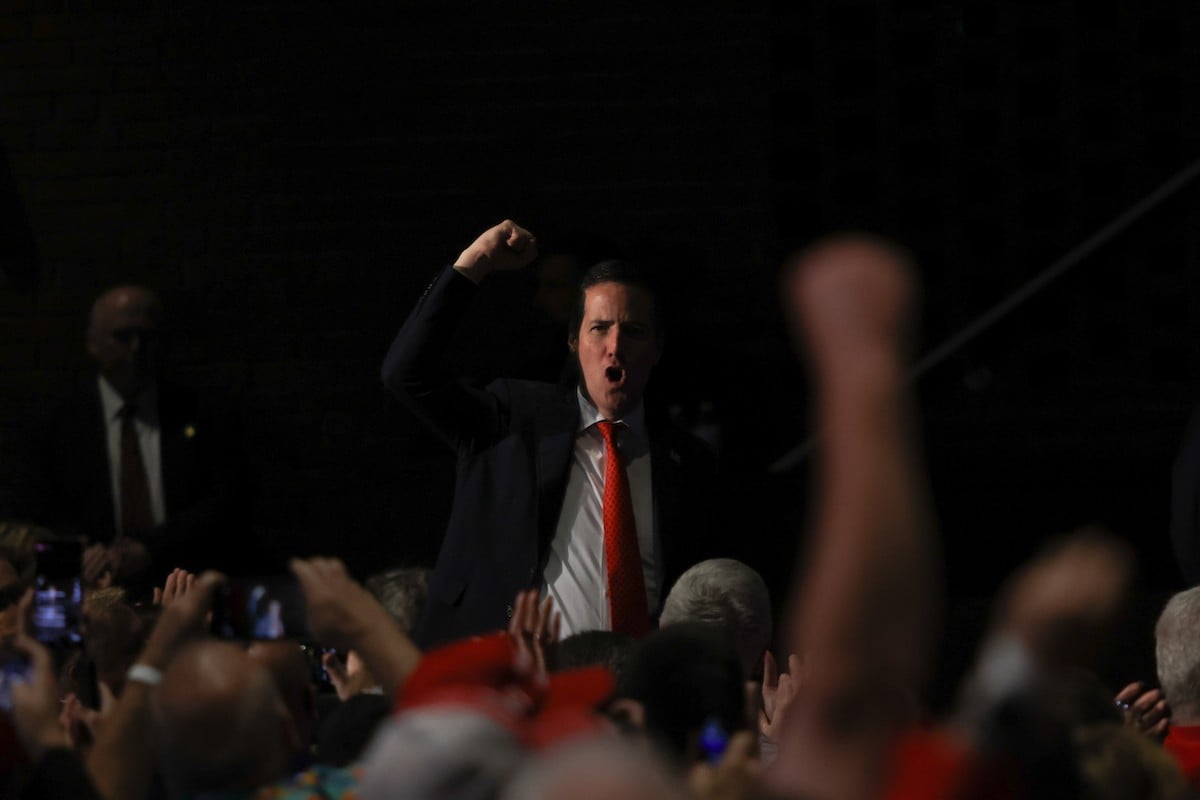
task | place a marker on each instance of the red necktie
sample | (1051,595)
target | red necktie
(136,516)
(626,585)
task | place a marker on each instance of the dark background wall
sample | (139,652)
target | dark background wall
(291,174)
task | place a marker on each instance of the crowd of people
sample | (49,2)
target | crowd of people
(580,635)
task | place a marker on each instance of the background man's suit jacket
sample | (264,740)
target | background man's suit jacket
(59,478)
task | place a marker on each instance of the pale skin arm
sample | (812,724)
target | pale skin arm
(503,247)
(121,760)
(341,613)
(862,613)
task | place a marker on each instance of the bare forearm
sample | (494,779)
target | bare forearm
(121,761)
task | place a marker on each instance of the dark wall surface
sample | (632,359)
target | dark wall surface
(290,175)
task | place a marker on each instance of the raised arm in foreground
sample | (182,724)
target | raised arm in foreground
(862,614)
(412,369)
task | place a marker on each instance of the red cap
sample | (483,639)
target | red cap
(481,673)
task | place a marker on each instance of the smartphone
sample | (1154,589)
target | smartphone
(58,592)
(262,608)
(314,654)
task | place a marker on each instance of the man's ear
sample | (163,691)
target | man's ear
(573,344)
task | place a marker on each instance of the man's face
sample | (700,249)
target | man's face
(123,338)
(617,346)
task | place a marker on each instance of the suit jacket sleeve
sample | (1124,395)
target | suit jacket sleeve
(462,415)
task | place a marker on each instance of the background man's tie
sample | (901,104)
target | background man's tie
(136,515)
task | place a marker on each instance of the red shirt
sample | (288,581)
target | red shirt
(1183,743)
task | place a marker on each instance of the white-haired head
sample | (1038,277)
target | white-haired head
(729,595)
(1177,652)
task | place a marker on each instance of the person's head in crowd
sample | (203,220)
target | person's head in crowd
(730,596)
(124,338)
(113,634)
(221,724)
(1177,653)
(1116,762)
(402,591)
(595,648)
(17,540)
(294,682)
(596,769)
(616,334)
(11,589)
(680,680)
(449,751)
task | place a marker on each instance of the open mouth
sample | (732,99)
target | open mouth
(614,374)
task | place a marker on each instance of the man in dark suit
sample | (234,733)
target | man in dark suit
(144,471)
(575,491)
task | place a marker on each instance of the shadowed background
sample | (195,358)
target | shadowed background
(290,175)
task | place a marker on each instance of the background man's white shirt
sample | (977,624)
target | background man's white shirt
(147,428)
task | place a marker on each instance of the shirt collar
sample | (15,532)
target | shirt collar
(112,402)
(634,421)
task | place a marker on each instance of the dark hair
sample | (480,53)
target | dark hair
(614,271)
(685,676)
(595,648)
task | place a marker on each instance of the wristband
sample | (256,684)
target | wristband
(144,673)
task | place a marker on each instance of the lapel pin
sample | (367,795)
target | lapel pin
(189,431)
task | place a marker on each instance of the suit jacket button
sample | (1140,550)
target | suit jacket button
(508,611)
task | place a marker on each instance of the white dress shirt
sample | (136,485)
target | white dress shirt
(576,575)
(145,423)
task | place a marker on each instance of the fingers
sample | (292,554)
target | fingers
(170,587)
(516,238)
(795,667)
(743,747)
(41,663)
(313,572)
(1149,709)
(1159,731)
(1126,696)
(770,671)
(337,674)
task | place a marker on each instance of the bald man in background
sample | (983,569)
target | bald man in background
(149,475)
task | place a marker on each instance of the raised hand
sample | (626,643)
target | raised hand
(506,246)
(178,583)
(349,678)
(778,691)
(852,295)
(533,627)
(343,614)
(180,621)
(1061,602)
(1145,710)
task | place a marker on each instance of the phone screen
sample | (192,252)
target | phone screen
(58,592)
(261,608)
